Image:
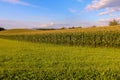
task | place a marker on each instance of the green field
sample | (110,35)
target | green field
(38,61)
(91,37)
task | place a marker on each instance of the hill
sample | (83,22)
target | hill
(30,31)
(92,37)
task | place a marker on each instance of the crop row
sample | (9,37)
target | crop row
(93,39)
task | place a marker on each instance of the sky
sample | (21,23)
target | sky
(57,13)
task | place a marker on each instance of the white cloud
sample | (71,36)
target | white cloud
(18,2)
(109,10)
(27,24)
(109,6)
(8,24)
(72,10)
(109,19)
(48,24)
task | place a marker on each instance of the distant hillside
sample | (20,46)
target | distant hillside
(30,31)
(93,37)
(11,31)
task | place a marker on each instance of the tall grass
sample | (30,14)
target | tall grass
(93,39)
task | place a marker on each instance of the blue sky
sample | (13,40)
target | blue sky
(57,13)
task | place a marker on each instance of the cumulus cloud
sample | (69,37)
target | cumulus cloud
(18,2)
(109,6)
(48,25)
(109,10)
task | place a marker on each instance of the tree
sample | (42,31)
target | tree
(94,26)
(72,27)
(113,23)
(62,28)
(1,28)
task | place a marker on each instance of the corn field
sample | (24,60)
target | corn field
(92,39)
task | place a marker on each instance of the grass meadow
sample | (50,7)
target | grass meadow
(39,61)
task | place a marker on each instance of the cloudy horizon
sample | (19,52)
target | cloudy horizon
(55,14)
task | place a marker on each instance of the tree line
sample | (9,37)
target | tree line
(1,28)
(111,23)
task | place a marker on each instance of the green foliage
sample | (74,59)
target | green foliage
(94,26)
(75,27)
(1,28)
(30,61)
(113,23)
(92,39)
(44,29)
(72,27)
(62,28)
